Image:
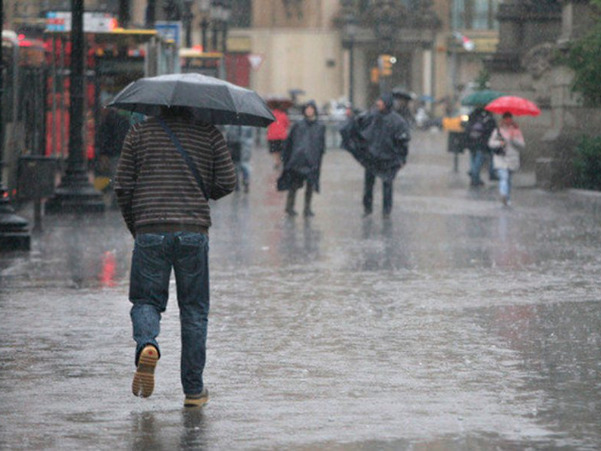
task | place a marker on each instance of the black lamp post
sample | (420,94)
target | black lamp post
(220,12)
(350,32)
(387,19)
(204,6)
(14,234)
(187,19)
(386,23)
(75,193)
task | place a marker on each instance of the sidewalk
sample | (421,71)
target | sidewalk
(455,324)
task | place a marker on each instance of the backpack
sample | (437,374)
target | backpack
(476,130)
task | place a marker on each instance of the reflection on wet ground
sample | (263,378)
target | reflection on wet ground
(456,324)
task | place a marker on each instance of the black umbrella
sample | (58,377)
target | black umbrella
(211,100)
(400,93)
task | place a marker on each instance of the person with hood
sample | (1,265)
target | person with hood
(277,132)
(380,142)
(506,141)
(479,127)
(302,154)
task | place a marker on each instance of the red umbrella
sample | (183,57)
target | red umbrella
(518,106)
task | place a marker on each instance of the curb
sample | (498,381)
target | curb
(585,199)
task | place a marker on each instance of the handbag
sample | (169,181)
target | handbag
(186,157)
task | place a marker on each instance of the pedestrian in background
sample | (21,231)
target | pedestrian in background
(506,141)
(478,130)
(240,142)
(387,135)
(111,134)
(164,199)
(277,132)
(302,154)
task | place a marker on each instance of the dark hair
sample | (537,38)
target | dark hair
(507,114)
(310,103)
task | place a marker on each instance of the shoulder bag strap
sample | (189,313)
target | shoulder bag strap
(186,157)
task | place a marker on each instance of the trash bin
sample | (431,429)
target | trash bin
(36,177)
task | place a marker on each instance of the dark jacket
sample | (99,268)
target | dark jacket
(379,141)
(478,129)
(302,154)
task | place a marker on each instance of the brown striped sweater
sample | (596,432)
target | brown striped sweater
(156,190)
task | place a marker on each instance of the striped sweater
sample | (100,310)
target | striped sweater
(156,190)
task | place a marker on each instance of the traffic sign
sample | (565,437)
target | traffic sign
(255,60)
(170,30)
(93,22)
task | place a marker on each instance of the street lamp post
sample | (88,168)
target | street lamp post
(75,193)
(204,6)
(187,16)
(220,12)
(14,234)
(386,23)
(350,32)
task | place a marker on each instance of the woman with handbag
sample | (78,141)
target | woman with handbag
(506,141)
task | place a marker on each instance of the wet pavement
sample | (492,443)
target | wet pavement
(457,324)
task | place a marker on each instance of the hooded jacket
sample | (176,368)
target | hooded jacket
(479,127)
(302,153)
(379,140)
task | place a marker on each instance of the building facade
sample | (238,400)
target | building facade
(331,48)
(532,35)
(328,49)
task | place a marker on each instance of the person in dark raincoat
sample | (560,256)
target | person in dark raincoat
(379,141)
(302,154)
(480,126)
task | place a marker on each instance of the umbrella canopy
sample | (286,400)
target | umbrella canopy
(400,93)
(518,106)
(481,98)
(211,100)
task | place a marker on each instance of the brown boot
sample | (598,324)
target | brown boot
(143,383)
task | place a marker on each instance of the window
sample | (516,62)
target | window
(241,14)
(474,14)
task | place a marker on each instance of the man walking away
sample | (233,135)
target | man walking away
(164,199)
(387,136)
(479,127)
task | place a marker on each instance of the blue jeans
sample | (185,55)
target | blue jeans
(153,257)
(504,182)
(476,161)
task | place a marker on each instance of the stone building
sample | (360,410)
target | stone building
(532,36)
(330,48)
